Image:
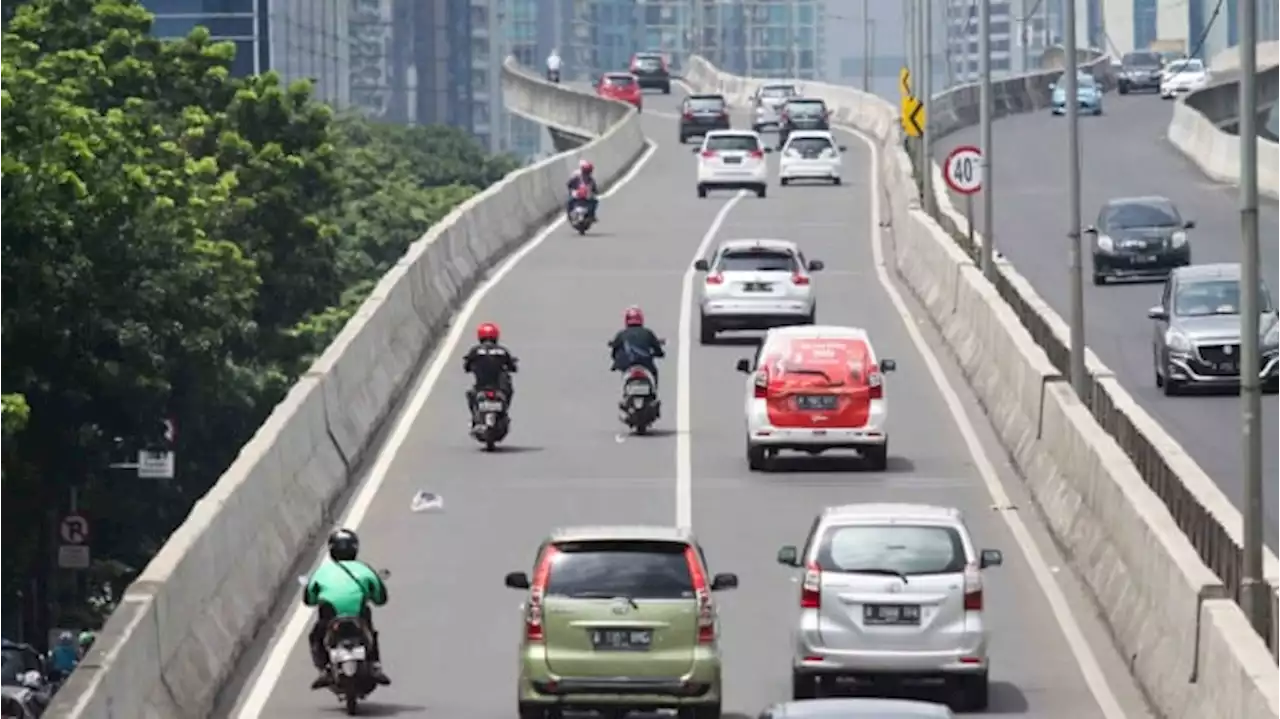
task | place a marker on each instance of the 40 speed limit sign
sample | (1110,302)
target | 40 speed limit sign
(963,169)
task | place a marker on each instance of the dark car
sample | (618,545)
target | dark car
(650,69)
(1139,237)
(802,113)
(18,659)
(700,114)
(1140,71)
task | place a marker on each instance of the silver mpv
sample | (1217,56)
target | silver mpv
(891,593)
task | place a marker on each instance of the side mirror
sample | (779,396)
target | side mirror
(1189,224)
(696,150)
(1157,313)
(844,148)
(816,265)
(990,558)
(1091,230)
(744,366)
(1053,86)
(888,365)
(788,556)
(517,580)
(768,150)
(701,265)
(724,581)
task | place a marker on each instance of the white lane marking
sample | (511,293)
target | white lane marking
(284,640)
(684,362)
(1085,658)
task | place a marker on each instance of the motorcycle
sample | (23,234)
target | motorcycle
(490,423)
(348,642)
(580,211)
(640,404)
(553,76)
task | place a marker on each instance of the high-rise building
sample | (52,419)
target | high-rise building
(761,38)
(1020,32)
(524,137)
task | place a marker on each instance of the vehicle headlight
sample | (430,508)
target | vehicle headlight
(1178,239)
(1176,341)
(1106,244)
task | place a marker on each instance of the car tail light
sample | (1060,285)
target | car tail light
(533,608)
(875,385)
(972,589)
(757,154)
(634,64)
(811,588)
(798,279)
(715,279)
(708,153)
(706,611)
(688,115)
(762,385)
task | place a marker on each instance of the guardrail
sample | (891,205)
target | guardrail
(182,626)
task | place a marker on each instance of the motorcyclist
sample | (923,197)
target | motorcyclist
(491,364)
(63,658)
(636,344)
(85,640)
(585,176)
(553,66)
(344,587)
(41,695)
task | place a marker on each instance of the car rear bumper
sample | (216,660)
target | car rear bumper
(725,312)
(1145,84)
(805,438)
(1155,264)
(800,168)
(701,685)
(1084,105)
(871,664)
(688,129)
(649,82)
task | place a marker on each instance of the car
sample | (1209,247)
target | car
(755,284)
(816,388)
(20,703)
(860,708)
(1139,71)
(810,155)
(651,71)
(1088,95)
(802,113)
(1196,339)
(700,113)
(766,104)
(621,86)
(732,160)
(1139,237)
(1183,76)
(18,659)
(891,593)
(620,619)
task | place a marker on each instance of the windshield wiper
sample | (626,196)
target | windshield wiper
(604,595)
(884,572)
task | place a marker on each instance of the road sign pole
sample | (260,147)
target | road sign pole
(926,96)
(922,166)
(1079,381)
(984,121)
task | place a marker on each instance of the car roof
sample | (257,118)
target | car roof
(649,53)
(1215,271)
(1140,200)
(622,533)
(733,133)
(802,134)
(761,244)
(860,707)
(819,332)
(704,96)
(876,511)
(805,98)
(620,75)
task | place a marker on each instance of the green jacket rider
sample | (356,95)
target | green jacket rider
(344,587)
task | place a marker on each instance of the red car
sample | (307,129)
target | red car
(622,86)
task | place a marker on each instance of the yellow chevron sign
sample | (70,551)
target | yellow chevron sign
(913,116)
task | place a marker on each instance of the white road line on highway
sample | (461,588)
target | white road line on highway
(684,373)
(284,641)
(1085,658)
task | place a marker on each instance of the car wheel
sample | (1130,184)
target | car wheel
(1124,89)
(757,461)
(1159,377)
(706,332)
(684,139)
(706,711)
(1271,386)
(803,686)
(784,181)
(666,89)
(836,181)
(812,317)
(762,191)
(532,711)
(1099,279)
(1170,387)
(702,190)
(877,457)
(972,693)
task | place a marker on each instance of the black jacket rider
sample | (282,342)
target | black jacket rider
(492,366)
(636,345)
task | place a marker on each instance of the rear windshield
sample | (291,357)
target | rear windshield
(1142,215)
(806,107)
(835,360)
(1141,59)
(648,62)
(778,91)
(639,570)
(619,80)
(905,549)
(740,143)
(757,261)
(1186,66)
(809,144)
(706,103)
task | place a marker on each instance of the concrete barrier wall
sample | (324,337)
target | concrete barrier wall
(1194,128)
(182,625)
(1189,643)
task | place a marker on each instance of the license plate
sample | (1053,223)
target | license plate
(1147,259)
(345,655)
(733,160)
(756,287)
(621,639)
(816,402)
(490,406)
(900,614)
(638,389)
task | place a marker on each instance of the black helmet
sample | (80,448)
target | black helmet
(344,545)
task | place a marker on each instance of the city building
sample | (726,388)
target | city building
(784,38)
(524,137)
(1020,32)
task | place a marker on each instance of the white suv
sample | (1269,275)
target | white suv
(810,155)
(755,285)
(732,160)
(891,591)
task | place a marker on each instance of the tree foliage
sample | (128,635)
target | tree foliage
(178,243)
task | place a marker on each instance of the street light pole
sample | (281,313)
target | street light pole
(984,121)
(926,96)
(866,47)
(917,69)
(1079,381)
(1253,588)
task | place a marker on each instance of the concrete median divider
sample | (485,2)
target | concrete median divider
(182,626)
(1171,615)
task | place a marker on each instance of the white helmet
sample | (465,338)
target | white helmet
(31,679)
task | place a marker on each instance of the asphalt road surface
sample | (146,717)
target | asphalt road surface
(1125,153)
(451,631)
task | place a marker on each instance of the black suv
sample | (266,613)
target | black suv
(650,69)
(699,114)
(802,113)
(1140,71)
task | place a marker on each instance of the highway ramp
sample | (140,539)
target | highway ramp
(1125,153)
(451,631)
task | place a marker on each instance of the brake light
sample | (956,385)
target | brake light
(706,611)
(533,609)
(972,589)
(762,385)
(708,153)
(634,64)
(490,394)
(875,385)
(715,279)
(811,589)
(798,279)
(688,115)
(757,154)
(637,373)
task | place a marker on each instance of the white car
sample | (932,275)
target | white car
(755,285)
(767,102)
(815,388)
(891,591)
(1183,75)
(810,155)
(732,160)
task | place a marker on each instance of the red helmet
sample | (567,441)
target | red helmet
(586,168)
(487,332)
(634,316)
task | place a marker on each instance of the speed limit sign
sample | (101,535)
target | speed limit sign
(963,169)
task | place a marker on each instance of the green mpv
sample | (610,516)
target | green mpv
(620,619)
